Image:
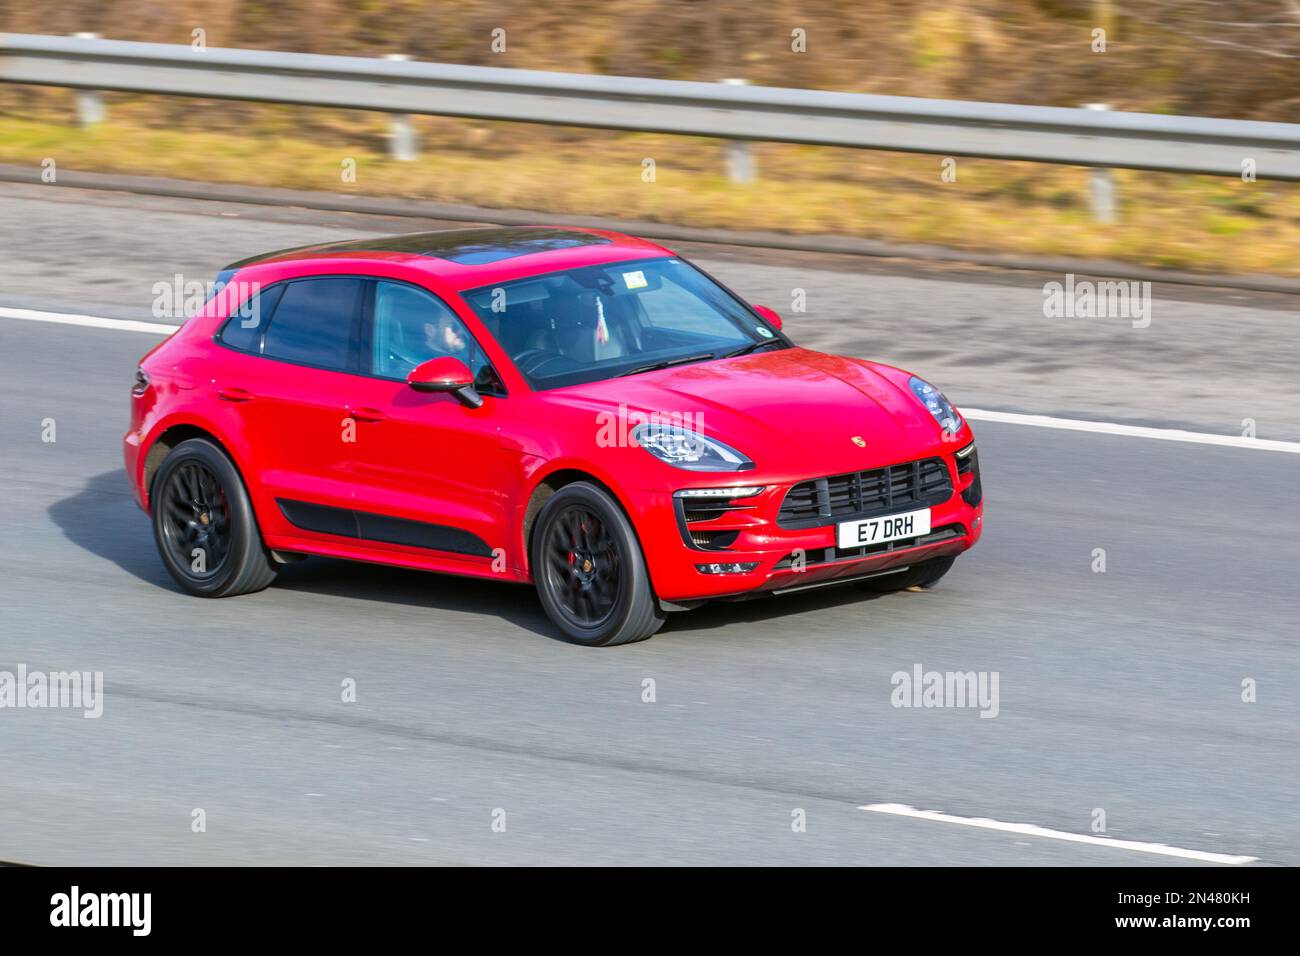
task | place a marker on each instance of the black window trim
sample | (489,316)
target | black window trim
(361,345)
(363,318)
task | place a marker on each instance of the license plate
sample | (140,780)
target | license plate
(910,524)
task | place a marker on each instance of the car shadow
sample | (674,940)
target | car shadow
(718,614)
(103,519)
(516,603)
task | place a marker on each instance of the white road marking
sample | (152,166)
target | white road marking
(1030,829)
(974,414)
(1132,431)
(93,321)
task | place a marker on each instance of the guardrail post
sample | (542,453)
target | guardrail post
(1102,183)
(90,105)
(403,145)
(741,165)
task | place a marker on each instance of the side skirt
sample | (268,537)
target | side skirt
(382,529)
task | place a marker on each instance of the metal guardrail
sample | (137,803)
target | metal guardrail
(1078,137)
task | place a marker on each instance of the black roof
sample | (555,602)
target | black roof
(469,247)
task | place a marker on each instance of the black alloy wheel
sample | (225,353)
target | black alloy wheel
(584,566)
(204,525)
(589,570)
(195,519)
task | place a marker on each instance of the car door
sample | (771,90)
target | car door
(290,384)
(430,472)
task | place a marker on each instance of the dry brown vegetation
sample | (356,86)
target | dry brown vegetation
(1225,59)
(1236,59)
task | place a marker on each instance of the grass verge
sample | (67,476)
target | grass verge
(1181,222)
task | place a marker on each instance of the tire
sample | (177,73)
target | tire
(589,570)
(924,576)
(204,526)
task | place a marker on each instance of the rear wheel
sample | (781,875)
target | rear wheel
(204,526)
(922,576)
(589,570)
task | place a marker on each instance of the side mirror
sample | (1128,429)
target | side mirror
(770,314)
(445,374)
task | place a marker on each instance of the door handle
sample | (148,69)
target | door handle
(370,415)
(232,394)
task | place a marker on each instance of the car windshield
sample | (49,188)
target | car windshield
(623,318)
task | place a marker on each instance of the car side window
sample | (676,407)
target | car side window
(248,320)
(412,326)
(315,323)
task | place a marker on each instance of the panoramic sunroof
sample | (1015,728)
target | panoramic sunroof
(466,247)
(478,247)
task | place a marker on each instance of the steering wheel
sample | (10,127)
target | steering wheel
(532,361)
(526,356)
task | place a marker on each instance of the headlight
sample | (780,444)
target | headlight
(936,404)
(683,448)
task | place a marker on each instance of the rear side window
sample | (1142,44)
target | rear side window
(315,324)
(248,320)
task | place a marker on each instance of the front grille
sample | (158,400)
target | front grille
(816,556)
(862,494)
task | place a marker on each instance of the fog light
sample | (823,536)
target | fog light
(729,568)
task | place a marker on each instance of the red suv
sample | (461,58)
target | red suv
(580,409)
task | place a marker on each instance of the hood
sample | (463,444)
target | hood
(793,412)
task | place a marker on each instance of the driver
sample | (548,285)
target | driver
(444,338)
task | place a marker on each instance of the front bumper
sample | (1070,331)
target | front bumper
(678,539)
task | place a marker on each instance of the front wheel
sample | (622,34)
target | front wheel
(204,526)
(589,570)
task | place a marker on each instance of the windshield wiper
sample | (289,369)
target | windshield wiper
(753,347)
(666,363)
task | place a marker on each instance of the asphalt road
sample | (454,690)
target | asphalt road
(1119,690)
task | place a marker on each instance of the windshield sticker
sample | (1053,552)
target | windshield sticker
(763,331)
(634,280)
